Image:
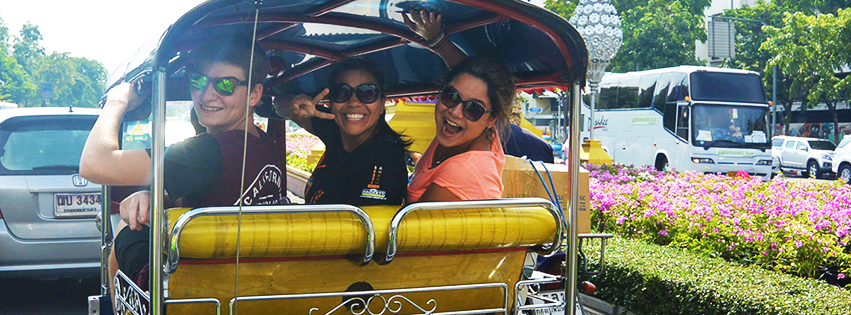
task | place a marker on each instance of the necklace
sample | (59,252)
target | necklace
(437,157)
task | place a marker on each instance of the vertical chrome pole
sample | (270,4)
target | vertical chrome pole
(573,159)
(157,214)
(593,91)
(105,240)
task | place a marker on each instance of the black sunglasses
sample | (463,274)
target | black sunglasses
(224,86)
(472,110)
(366,93)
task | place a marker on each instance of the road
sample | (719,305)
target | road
(54,297)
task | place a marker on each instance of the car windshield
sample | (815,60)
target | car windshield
(822,145)
(730,126)
(48,145)
(844,142)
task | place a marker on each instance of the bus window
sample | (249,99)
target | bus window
(669,117)
(608,96)
(682,122)
(646,88)
(661,92)
(678,89)
(628,93)
(727,87)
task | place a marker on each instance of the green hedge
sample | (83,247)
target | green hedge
(653,279)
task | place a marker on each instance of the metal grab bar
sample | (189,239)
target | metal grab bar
(174,239)
(478,204)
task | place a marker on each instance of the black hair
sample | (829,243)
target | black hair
(363,64)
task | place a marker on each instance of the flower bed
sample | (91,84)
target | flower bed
(298,148)
(798,227)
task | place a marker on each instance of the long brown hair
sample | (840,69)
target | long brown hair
(499,81)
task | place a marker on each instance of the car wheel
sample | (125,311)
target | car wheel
(845,173)
(812,170)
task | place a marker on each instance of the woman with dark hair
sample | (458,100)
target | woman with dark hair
(364,160)
(465,159)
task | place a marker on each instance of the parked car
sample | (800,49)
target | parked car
(810,156)
(47,211)
(842,160)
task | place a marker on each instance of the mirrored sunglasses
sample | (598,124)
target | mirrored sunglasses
(224,86)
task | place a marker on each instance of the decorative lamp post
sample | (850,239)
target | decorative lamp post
(598,23)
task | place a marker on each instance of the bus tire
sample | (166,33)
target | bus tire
(661,163)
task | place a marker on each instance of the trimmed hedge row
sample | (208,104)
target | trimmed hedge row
(653,279)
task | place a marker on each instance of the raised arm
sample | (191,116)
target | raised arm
(429,25)
(301,109)
(102,161)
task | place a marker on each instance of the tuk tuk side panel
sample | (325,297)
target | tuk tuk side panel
(338,274)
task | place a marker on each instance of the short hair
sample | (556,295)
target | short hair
(500,82)
(232,50)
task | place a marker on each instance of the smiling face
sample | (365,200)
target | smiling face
(357,121)
(219,112)
(453,129)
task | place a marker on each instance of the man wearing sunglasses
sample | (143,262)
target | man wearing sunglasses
(201,171)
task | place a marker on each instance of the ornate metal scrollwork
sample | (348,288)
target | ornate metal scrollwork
(357,305)
(129,299)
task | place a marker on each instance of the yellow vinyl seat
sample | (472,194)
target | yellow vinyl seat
(447,259)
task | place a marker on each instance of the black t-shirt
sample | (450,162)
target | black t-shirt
(195,168)
(192,166)
(374,173)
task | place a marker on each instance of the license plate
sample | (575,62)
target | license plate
(76,205)
(557,295)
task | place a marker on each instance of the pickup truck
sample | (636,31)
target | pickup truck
(810,156)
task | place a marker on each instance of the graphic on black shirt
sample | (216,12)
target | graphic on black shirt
(372,191)
(262,189)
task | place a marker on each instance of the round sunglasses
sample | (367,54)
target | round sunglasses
(366,93)
(224,86)
(472,111)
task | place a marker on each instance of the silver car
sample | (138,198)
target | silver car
(47,211)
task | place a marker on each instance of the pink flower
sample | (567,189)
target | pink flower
(840,276)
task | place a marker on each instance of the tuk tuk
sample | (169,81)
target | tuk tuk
(467,257)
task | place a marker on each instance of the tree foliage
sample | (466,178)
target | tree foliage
(810,49)
(656,34)
(27,48)
(26,69)
(15,83)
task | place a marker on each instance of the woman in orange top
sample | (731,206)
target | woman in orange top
(465,159)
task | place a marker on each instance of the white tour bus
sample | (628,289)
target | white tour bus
(686,118)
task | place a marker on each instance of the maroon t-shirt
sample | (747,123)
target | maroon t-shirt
(206,170)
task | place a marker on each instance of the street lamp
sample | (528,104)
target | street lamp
(598,23)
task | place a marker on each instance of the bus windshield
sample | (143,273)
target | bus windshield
(730,126)
(726,87)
